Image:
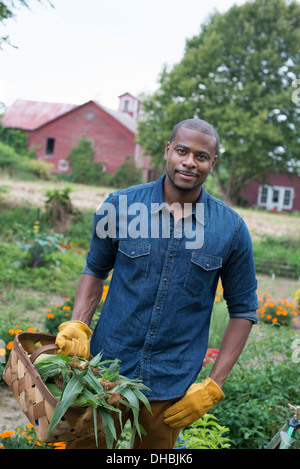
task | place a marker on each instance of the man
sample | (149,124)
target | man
(157,313)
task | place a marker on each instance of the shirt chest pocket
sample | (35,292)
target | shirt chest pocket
(201,273)
(134,261)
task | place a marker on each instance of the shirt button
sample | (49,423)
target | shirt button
(207,265)
(132,253)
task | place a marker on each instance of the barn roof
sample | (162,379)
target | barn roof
(30,115)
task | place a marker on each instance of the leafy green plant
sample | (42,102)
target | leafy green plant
(205,433)
(39,248)
(59,208)
(83,383)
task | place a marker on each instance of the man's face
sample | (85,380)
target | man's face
(190,158)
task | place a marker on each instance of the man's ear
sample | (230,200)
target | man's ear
(167,150)
(213,163)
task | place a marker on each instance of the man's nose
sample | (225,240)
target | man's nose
(189,161)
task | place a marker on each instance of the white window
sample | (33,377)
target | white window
(275,197)
(63,165)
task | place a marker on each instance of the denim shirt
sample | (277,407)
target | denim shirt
(156,315)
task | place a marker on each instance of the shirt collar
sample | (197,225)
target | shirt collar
(158,201)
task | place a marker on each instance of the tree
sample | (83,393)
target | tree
(237,74)
(84,169)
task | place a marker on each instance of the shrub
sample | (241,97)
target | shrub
(127,174)
(205,433)
(84,169)
(59,209)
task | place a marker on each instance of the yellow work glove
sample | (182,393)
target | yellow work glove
(73,339)
(198,399)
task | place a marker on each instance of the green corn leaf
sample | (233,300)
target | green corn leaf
(134,402)
(95,361)
(90,380)
(143,398)
(95,424)
(72,390)
(109,427)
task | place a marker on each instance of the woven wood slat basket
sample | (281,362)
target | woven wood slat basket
(35,399)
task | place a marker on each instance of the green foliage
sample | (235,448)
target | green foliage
(59,208)
(279,255)
(127,174)
(39,248)
(236,74)
(14,139)
(205,433)
(259,388)
(18,165)
(84,169)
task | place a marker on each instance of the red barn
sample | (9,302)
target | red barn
(53,129)
(280,193)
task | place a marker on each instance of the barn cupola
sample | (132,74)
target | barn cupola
(129,105)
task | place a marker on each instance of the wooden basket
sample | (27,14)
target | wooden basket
(35,399)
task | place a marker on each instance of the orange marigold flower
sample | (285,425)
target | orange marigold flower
(67,307)
(59,445)
(48,310)
(274,320)
(217,299)
(6,434)
(9,345)
(31,329)
(50,316)
(269,316)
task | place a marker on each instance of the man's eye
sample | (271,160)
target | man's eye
(181,151)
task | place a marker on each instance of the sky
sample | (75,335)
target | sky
(80,50)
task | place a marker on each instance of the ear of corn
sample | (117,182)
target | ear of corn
(82,383)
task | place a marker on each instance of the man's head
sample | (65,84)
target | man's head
(191,155)
(201,126)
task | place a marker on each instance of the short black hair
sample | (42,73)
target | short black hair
(197,124)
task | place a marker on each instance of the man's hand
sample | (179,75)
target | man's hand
(198,399)
(73,339)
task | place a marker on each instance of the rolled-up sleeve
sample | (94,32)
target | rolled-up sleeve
(238,276)
(101,256)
